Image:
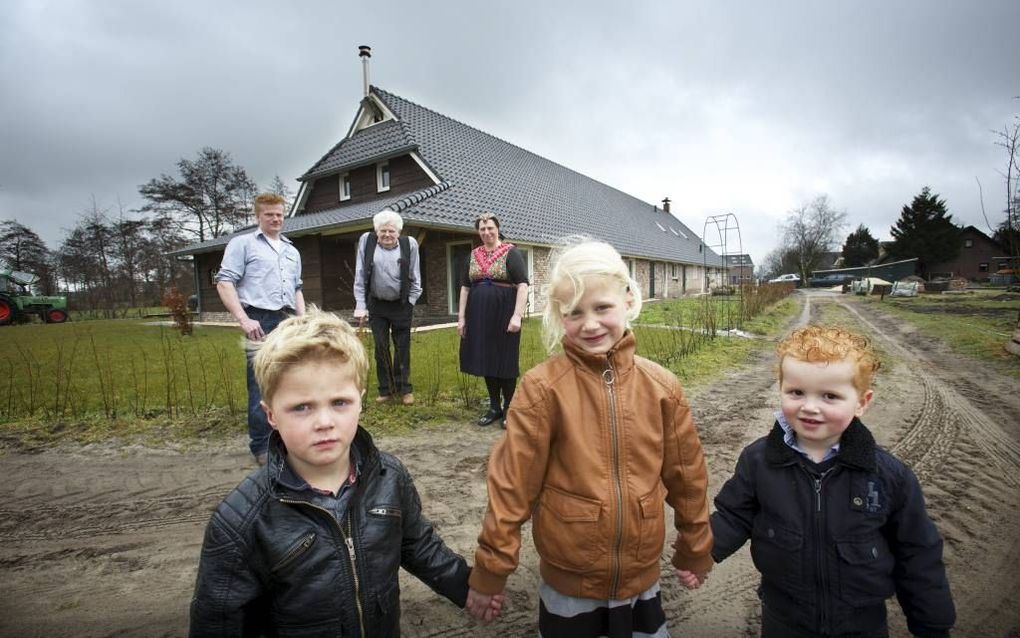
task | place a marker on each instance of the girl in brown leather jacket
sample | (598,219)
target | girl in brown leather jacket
(597,440)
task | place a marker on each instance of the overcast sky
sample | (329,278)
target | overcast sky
(750,108)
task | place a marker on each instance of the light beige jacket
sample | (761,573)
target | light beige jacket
(595,445)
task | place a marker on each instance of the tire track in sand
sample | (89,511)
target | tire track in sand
(968,466)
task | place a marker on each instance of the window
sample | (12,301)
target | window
(345,187)
(672,271)
(967,243)
(382,176)
(983,267)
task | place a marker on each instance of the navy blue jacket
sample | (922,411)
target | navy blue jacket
(831,549)
(275,564)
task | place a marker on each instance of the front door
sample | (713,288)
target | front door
(457,257)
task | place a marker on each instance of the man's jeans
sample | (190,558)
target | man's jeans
(386,318)
(258,425)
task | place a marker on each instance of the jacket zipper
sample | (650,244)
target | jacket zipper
(306,542)
(609,378)
(349,541)
(819,557)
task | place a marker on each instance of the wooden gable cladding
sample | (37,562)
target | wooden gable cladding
(405,176)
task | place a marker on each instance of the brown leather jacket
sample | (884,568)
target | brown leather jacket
(594,445)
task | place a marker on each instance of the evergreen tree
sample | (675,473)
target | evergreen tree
(860,248)
(925,230)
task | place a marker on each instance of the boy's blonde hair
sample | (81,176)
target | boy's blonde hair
(313,336)
(829,344)
(575,261)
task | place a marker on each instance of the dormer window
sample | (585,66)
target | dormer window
(382,176)
(345,187)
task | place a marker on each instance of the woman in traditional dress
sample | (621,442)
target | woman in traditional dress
(493,296)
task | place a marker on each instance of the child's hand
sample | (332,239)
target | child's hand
(690,580)
(483,606)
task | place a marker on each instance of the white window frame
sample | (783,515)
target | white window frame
(380,168)
(345,180)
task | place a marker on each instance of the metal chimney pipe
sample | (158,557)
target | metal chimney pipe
(364,52)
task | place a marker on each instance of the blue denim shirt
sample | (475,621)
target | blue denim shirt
(263,277)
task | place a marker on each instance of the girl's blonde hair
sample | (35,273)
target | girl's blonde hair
(313,336)
(576,261)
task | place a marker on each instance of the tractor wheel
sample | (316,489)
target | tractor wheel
(6,312)
(54,315)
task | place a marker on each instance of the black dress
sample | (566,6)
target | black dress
(487,349)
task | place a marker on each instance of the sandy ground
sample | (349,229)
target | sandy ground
(105,540)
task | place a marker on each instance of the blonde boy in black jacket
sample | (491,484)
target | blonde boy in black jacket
(837,524)
(311,544)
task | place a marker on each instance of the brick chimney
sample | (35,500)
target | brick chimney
(665,204)
(364,52)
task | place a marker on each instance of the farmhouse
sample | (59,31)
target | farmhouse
(439,174)
(980,257)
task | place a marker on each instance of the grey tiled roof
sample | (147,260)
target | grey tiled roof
(537,200)
(385,139)
(739,260)
(317,221)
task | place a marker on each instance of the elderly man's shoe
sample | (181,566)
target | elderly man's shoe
(489,417)
(407,399)
(382,398)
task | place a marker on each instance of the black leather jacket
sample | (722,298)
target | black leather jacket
(275,564)
(832,549)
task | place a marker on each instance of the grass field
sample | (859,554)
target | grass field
(976,324)
(87,381)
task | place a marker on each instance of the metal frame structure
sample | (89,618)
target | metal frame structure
(725,225)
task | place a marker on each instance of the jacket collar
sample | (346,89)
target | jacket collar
(621,355)
(366,452)
(856,447)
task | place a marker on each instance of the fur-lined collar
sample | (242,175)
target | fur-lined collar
(856,447)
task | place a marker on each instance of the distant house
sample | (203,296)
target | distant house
(980,257)
(439,174)
(740,269)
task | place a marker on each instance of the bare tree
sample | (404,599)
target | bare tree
(810,231)
(1008,232)
(128,237)
(212,196)
(22,249)
(279,187)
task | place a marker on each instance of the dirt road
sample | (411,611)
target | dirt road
(105,540)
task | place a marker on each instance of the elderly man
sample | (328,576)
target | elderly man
(259,282)
(387,283)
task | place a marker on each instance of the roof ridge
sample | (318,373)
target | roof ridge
(496,137)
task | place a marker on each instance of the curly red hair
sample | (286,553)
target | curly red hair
(828,344)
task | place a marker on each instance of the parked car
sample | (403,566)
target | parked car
(788,278)
(828,281)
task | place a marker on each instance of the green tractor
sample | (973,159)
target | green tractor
(17,303)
